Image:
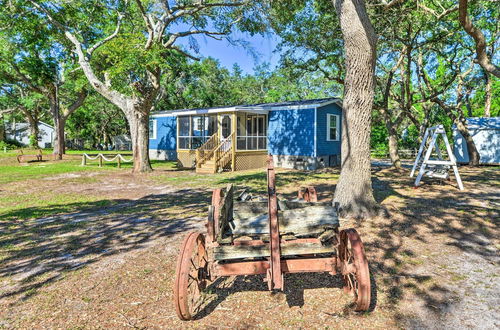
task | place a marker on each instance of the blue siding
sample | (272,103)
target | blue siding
(291,132)
(323,146)
(165,134)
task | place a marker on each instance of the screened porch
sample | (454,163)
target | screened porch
(250,129)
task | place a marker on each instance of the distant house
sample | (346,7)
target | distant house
(21,132)
(122,142)
(486,135)
(299,134)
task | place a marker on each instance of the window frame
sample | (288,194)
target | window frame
(204,122)
(328,127)
(254,118)
(155,129)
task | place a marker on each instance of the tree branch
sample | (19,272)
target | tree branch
(435,14)
(82,95)
(149,24)
(113,96)
(390,4)
(108,38)
(479,39)
(173,37)
(185,53)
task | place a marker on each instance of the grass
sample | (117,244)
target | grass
(42,204)
(14,172)
(20,202)
(20,172)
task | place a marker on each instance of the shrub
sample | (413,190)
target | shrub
(10,144)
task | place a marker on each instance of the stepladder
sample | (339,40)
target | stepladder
(435,166)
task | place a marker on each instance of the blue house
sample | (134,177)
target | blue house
(485,133)
(302,134)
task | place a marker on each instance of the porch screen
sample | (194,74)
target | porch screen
(252,134)
(195,130)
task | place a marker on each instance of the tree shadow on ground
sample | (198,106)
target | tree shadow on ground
(405,250)
(295,285)
(37,252)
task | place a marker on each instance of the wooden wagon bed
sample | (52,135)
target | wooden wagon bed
(269,236)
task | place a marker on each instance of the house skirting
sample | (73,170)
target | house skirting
(306,162)
(186,158)
(247,160)
(162,154)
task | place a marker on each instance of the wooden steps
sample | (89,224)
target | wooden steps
(212,157)
(204,169)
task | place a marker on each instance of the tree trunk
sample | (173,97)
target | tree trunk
(59,143)
(354,189)
(393,149)
(488,96)
(393,139)
(59,122)
(2,129)
(34,131)
(471,146)
(139,133)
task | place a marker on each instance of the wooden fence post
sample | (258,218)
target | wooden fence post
(100,160)
(84,160)
(119,161)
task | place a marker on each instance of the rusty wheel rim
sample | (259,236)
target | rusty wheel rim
(354,267)
(191,276)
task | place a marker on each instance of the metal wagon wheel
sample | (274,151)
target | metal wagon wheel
(191,276)
(354,268)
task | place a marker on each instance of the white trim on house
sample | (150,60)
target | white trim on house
(155,129)
(210,111)
(42,123)
(262,109)
(315,131)
(337,120)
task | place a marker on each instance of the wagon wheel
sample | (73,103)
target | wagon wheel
(191,276)
(354,267)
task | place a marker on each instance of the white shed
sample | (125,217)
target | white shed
(486,135)
(21,133)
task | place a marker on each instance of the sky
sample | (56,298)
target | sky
(228,54)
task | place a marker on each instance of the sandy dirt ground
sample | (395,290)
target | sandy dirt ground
(434,262)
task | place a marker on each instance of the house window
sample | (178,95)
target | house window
(152,128)
(194,131)
(332,127)
(252,135)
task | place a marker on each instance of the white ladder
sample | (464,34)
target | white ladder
(437,168)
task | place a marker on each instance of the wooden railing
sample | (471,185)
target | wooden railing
(224,151)
(206,151)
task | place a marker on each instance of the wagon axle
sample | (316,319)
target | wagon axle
(272,239)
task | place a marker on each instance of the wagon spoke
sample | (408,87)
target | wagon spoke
(355,268)
(189,281)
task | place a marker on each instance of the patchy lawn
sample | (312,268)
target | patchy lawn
(87,247)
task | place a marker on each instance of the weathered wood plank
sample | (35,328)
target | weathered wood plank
(226,212)
(303,221)
(260,207)
(226,252)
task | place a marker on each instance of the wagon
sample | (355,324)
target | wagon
(269,236)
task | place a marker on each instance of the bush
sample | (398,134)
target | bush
(10,144)
(33,141)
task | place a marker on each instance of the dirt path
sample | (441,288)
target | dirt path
(434,263)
